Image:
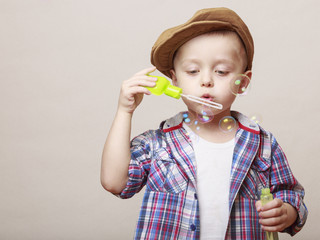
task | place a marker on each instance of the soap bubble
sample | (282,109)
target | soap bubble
(256,118)
(187,118)
(204,114)
(193,137)
(237,85)
(196,123)
(227,124)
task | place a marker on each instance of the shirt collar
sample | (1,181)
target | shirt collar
(245,123)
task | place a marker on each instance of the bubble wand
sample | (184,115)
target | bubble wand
(163,86)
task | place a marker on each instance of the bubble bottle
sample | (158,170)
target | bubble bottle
(266,197)
(163,86)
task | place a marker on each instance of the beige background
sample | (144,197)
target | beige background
(61,66)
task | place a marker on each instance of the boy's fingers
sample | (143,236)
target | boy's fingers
(270,221)
(146,71)
(275,212)
(141,90)
(137,80)
(278,228)
(143,80)
(275,203)
(146,78)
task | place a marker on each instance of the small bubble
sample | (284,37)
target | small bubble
(227,123)
(204,114)
(187,118)
(256,118)
(193,137)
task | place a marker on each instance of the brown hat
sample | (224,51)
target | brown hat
(203,21)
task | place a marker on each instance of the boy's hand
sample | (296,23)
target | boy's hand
(132,90)
(276,215)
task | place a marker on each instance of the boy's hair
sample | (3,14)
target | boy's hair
(204,21)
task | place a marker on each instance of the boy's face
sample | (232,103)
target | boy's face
(206,67)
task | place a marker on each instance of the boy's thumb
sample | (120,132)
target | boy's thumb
(258,205)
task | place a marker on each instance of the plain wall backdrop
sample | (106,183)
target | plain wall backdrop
(62,63)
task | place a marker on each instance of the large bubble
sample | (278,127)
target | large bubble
(240,85)
(204,114)
(227,124)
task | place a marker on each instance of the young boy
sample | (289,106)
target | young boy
(203,187)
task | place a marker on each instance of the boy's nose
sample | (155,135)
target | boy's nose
(207,81)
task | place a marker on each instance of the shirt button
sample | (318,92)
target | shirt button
(195,196)
(193,227)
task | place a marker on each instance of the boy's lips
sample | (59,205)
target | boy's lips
(207,97)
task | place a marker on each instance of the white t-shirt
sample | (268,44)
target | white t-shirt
(213,161)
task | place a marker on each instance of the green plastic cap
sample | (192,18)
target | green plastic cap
(173,91)
(265,191)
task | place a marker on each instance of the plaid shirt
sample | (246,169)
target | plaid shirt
(164,161)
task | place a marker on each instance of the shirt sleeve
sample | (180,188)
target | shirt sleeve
(141,156)
(286,187)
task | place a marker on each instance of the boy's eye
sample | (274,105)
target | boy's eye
(220,72)
(193,71)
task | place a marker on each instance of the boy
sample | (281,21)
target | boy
(205,187)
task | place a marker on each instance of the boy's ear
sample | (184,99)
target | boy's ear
(173,77)
(245,81)
(248,74)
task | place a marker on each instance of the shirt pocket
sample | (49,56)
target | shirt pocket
(165,174)
(256,178)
